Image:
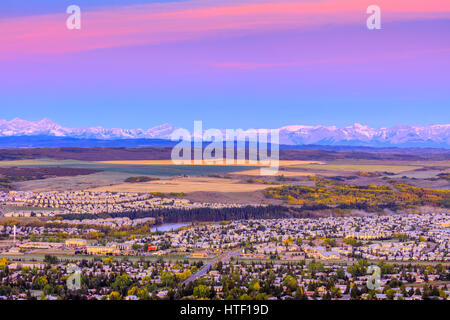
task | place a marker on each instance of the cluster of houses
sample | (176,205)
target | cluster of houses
(28,232)
(113,223)
(149,273)
(89,202)
(312,281)
(80,246)
(314,284)
(32,213)
(423,238)
(318,255)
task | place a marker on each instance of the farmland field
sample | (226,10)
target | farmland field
(209,178)
(186,185)
(205,162)
(360,167)
(286,173)
(162,168)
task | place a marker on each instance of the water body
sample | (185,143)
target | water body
(169,227)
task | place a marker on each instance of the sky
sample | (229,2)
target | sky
(229,63)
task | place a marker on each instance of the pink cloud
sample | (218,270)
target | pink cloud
(389,56)
(193,20)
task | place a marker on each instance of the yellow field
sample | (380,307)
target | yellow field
(282,163)
(186,185)
(257,172)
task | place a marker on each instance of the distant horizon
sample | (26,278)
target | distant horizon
(158,124)
(434,136)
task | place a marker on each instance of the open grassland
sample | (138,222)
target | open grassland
(422,174)
(420,163)
(257,172)
(72,183)
(359,167)
(185,185)
(333,168)
(158,168)
(41,163)
(9,175)
(207,163)
(209,178)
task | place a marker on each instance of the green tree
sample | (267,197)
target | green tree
(290,282)
(254,286)
(40,282)
(390,293)
(167,278)
(114,296)
(3,263)
(202,292)
(121,283)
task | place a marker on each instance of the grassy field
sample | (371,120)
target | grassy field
(113,174)
(199,178)
(419,163)
(157,168)
(360,167)
(186,185)
(205,162)
(257,172)
(72,183)
(41,163)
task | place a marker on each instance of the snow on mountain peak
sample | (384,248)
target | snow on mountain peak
(437,135)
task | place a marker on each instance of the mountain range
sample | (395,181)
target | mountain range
(436,136)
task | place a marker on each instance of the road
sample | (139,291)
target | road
(225,257)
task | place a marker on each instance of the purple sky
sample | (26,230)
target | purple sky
(250,63)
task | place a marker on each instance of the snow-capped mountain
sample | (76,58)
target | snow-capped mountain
(355,135)
(19,127)
(427,136)
(46,127)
